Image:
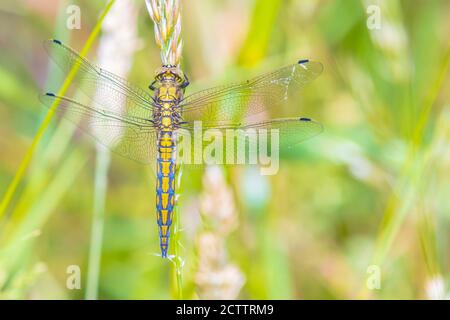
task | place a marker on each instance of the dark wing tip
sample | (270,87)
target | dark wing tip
(305,119)
(303,61)
(50,94)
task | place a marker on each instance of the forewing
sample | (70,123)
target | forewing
(99,85)
(249,98)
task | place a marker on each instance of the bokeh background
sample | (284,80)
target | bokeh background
(361,211)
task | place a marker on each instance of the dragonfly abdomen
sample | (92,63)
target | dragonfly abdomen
(165,188)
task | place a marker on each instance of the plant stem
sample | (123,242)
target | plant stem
(98,218)
(178,261)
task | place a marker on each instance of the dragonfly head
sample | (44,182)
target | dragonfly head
(170,73)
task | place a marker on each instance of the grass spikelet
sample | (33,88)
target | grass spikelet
(167,19)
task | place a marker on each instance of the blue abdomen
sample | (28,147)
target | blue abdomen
(165,188)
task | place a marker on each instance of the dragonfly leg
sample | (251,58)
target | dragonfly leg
(185,83)
(152,86)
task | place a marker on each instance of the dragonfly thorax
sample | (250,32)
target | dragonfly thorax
(168,92)
(166,115)
(170,74)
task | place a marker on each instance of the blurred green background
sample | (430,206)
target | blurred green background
(361,211)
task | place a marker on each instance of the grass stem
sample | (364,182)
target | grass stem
(98,218)
(178,260)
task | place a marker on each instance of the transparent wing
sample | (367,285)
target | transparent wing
(252,139)
(290,131)
(130,136)
(246,99)
(99,85)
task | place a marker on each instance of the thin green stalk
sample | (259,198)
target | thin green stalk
(98,218)
(428,243)
(178,260)
(48,118)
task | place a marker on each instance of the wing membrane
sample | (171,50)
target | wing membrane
(291,131)
(127,135)
(252,139)
(99,85)
(246,99)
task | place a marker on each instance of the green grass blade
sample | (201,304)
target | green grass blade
(101,177)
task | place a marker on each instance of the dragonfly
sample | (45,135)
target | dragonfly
(143,125)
